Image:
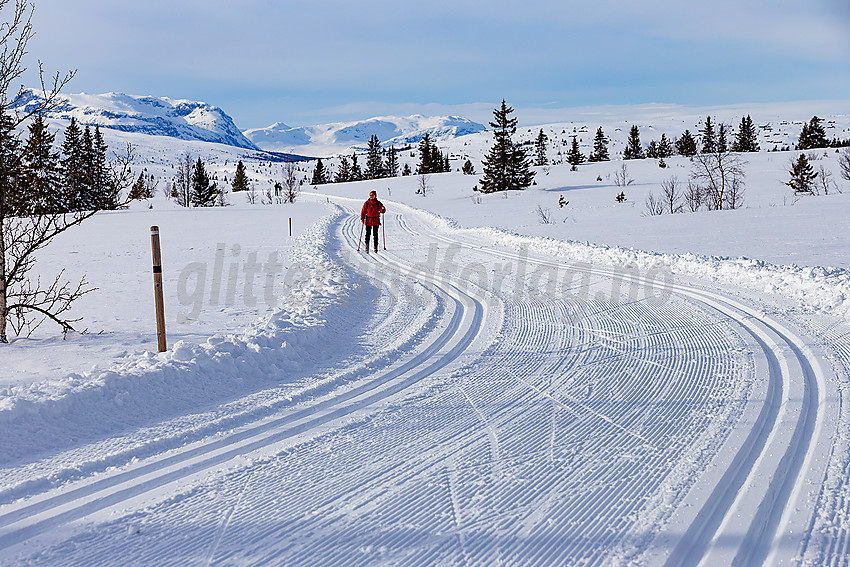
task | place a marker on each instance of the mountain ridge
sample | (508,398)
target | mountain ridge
(159,116)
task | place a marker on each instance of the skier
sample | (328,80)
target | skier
(370,215)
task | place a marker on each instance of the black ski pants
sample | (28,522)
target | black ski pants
(371,230)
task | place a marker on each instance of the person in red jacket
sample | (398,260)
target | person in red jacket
(370,215)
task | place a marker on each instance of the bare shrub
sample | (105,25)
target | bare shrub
(544,214)
(654,206)
(621,176)
(720,175)
(694,197)
(671,195)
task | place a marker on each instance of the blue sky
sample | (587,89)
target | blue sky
(310,61)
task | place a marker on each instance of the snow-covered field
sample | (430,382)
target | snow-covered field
(608,388)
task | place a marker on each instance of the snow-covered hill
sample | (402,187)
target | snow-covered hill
(159,116)
(340,137)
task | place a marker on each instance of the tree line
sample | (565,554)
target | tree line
(382,163)
(39,179)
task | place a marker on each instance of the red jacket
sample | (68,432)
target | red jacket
(371,213)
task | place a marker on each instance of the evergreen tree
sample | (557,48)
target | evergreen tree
(426,154)
(746,138)
(344,172)
(802,175)
(812,136)
(391,163)
(140,190)
(104,192)
(374,163)
(468,168)
(13,201)
(42,176)
(709,140)
(356,172)
(600,147)
(665,148)
(438,163)
(652,150)
(540,149)
(320,174)
(634,149)
(240,178)
(574,156)
(722,145)
(405,171)
(506,165)
(686,145)
(71,194)
(204,194)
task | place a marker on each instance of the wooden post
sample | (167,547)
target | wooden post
(157,289)
(290,226)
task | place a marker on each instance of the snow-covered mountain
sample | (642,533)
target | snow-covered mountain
(159,116)
(339,137)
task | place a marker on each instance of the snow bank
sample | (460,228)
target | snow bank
(44,415)
(820,289)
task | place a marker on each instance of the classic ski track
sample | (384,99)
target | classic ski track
(599,517)
(41,514)
(787,475)
(566,552)
(138,448)
(604,356)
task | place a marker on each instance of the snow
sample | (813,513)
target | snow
(612,388)
(161,116)
(327,139)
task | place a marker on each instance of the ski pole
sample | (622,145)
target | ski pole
(384,229)
(362,224)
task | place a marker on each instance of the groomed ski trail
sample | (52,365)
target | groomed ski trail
(594,427)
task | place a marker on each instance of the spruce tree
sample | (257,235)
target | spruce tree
(344,172)
(468,168)
(686,145)
(574,156)
(374,163)
(140,189)
(540,157)
(320,174)
(665,148)
(13,200)
(426,154)
(634,149)
(506,166)
(71,194)
(88,197)
(722,145)
(240,178)
(652,150)
(709,140)
(813,135)
(356,172)
(105,193)
(600,147)
(438,163)
(802,175)
(42,176)
(391,163)
(746,138)
(204,194)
